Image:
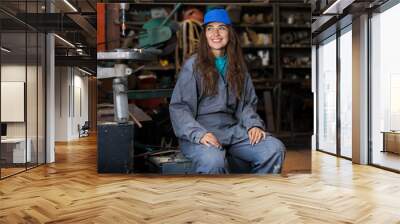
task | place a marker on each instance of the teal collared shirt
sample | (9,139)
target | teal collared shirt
(220,64)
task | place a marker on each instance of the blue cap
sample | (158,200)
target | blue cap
(217,15)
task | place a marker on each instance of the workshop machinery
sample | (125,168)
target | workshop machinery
(116,139)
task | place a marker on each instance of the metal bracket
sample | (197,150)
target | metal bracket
(129,54)
(119,70)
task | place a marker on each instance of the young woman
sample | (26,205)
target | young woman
(213,107)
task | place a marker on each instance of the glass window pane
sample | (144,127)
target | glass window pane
(385,84)
(346,94)
(23,84)
(327,96)
(14,152)
(31,97)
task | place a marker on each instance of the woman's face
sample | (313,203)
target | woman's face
(217,35)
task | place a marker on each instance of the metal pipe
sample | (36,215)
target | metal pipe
(123,7)
(121,114)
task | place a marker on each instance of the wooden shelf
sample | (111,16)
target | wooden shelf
(294,5)
(244,25)
(258,46)
(254,4)
(295,46)
(284,25)
(159,68)
(264,88)
(259,80)
(261,67)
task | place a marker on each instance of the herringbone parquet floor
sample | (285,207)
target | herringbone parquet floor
(70,191)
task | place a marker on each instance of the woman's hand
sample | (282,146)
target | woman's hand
(210,140)
(256,135)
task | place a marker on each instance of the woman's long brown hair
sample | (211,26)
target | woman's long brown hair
(205,65)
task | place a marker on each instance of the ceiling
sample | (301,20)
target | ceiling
(18,17)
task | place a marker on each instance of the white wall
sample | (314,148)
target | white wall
(17,73)
(12,73)
(33,126)
(61,103)
(80,110)
(71,102)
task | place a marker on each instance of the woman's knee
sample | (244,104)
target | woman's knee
(275,145)
(212,160)
(270,148)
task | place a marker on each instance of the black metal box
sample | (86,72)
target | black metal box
(171,164)
(115,148)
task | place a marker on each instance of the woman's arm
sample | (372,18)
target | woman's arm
(247,113)
(183,106)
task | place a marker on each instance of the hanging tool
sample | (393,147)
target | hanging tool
(157,30)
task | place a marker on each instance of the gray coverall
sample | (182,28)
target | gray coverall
(193,115)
